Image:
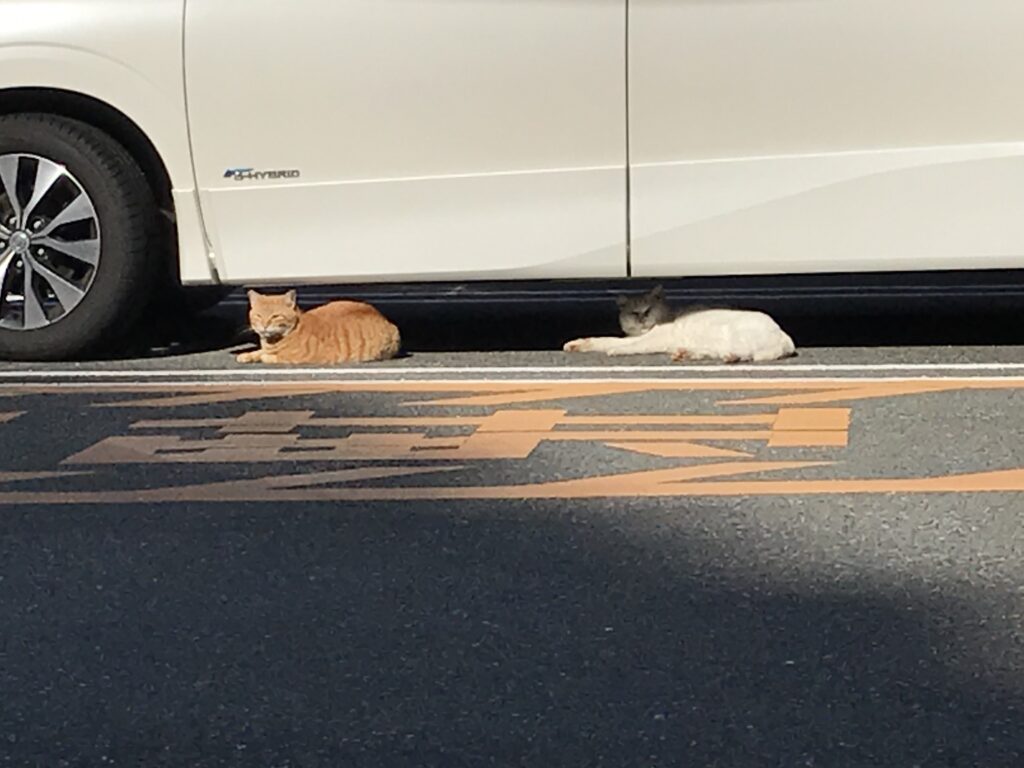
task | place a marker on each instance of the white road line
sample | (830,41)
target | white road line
(725,382)
(609,370)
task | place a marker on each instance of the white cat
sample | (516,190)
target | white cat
(730,335)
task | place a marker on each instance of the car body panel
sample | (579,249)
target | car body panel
(487,139)
(126,54)
(431,139)
(848,135)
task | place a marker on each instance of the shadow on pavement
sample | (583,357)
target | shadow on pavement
(869,310)
(479,328)
(175,336)
(465,326)
(472,635)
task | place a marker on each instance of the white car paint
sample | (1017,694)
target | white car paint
(839,135)
(461,139)
(435,139)
(126,53)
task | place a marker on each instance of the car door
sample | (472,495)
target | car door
(392,139)
(825,135)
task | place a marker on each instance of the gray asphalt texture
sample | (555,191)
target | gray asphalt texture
(846,630)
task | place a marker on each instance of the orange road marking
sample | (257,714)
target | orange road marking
(676,450)
(503,434)
(812,419)
(802,414)
(816,391)
(17,477)
(808,439)
(283,421)
(685,481)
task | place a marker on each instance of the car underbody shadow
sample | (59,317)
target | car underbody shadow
(505,318)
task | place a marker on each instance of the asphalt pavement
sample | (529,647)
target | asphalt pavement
(490,552)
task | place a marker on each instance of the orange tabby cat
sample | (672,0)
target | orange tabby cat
(338,332)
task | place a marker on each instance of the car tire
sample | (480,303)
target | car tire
(90,274)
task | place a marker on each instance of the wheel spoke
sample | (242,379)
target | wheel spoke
(77,209)
(67,293)
(9,179)
(33,315)
(47,175)
(5,264)
(83,250)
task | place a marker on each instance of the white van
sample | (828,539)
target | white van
(262,141)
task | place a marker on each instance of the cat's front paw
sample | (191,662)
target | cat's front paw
(249,357)
(578,345)
(680,355)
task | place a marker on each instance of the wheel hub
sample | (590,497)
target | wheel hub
(21,241)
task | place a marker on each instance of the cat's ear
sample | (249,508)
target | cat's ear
(657,292)
(291,298)
(252,296)
(621,300)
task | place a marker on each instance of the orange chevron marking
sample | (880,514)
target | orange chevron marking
(751,437)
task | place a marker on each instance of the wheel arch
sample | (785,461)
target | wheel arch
(101,115)
(169,176)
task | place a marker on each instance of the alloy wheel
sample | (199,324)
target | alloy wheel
(49,242)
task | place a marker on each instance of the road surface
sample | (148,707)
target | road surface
(521,558)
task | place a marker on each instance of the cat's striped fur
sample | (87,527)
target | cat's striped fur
(338,332)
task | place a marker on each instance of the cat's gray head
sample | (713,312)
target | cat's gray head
(638,314)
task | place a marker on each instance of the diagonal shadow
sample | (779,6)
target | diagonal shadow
(618,634)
